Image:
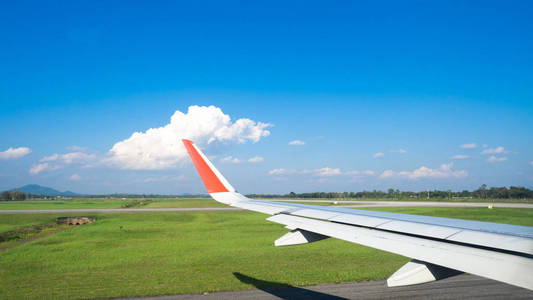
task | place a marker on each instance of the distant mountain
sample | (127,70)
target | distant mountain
(36,189)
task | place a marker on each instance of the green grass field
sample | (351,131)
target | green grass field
(135,254)
(88,203)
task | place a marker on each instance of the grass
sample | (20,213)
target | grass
(136,254)
(66,203)
(516,216)
(88,203)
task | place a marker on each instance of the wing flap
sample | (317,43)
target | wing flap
(499,241)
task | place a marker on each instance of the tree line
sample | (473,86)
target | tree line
(17,196)
(513,192)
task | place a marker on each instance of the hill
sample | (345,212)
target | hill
(36,189)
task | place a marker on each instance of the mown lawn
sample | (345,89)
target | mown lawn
(135,254)
(184,203)
(65,203)
(88,203)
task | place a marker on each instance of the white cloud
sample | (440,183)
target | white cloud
(296,143)
(75,177)
(161,148)
(76,148)
(230,159)
(360,173)
(493,159)
(444,171)
(58,161)
(13,153)
(255,159)
(369,172)
(460,156)
(401,151)
(387,174)
(36,169)
(379,154)
(280,171)
(493,150)
(326,172)
(69,158)
(531,163)
(322,172)
(469,146)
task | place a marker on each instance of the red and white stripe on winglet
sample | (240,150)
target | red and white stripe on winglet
(214,181)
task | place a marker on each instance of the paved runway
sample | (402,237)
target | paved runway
(353,203)
(348,204)
(464,286)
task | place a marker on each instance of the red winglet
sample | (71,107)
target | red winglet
(210,179)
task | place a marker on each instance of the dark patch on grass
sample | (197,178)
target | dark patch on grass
(137,203)
(15,238)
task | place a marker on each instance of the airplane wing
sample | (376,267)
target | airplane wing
(439,247)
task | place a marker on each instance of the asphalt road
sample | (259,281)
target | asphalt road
(351,203)
(463,286)
(348,204)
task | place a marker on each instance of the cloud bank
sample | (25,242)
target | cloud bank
(322,172)
(444,171)
(161,148)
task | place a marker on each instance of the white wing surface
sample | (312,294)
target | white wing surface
(439,247)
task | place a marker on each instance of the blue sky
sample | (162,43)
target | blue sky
(349,79)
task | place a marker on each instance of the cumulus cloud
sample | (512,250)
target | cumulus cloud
(401,151)
(77,148)
(326,172)
(230,159)
(460,156)
(360,173)
(444,171)
(69,158)
(255,159)
(387,174)
(322,172)
(494,159)
(75,177)
(36,169)
(497,150)
(296,143)
(469,146)
(14,153)
(161,147)
(379,154)
(280,171)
